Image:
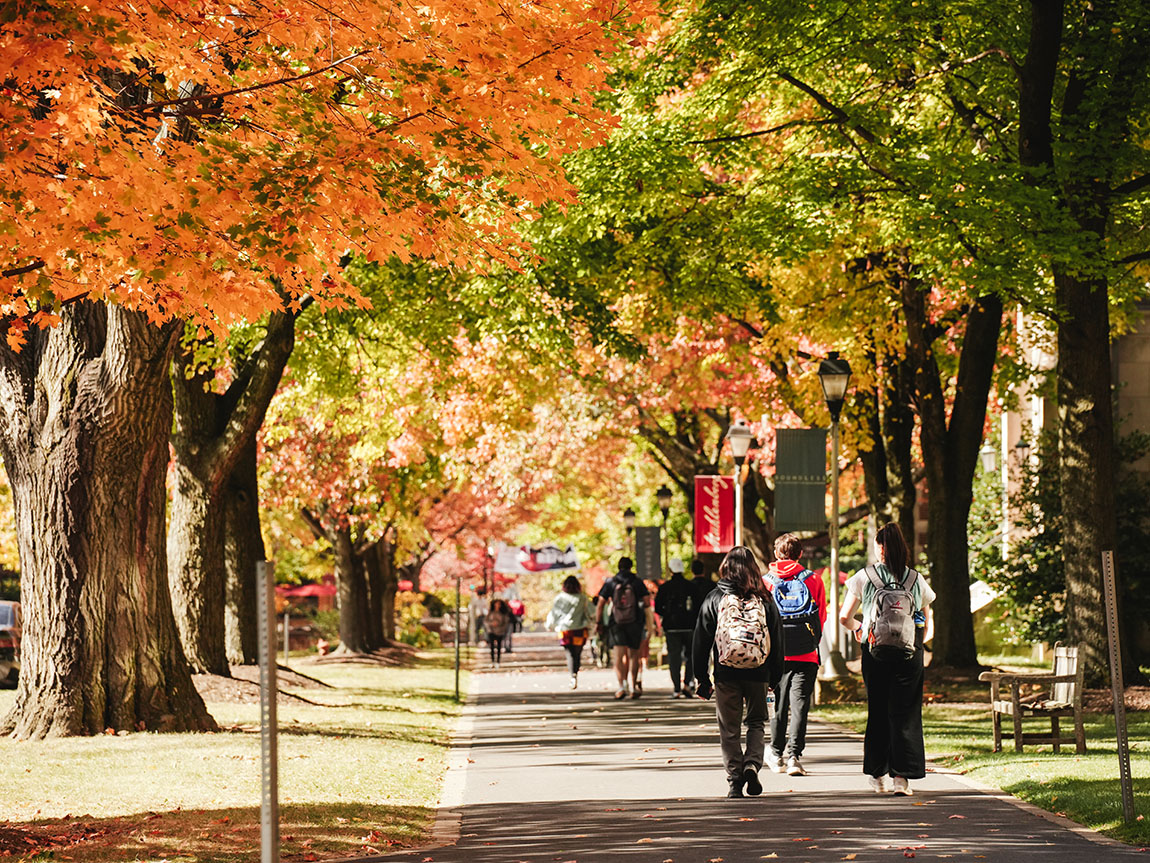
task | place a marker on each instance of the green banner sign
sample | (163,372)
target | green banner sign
(801,479)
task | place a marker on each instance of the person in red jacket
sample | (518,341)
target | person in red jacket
(802,603)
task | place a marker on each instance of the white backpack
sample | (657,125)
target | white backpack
(741,636)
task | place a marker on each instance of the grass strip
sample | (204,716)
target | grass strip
(360,772)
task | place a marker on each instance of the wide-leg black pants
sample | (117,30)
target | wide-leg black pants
(893,744)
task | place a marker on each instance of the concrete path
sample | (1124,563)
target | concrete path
(549,775)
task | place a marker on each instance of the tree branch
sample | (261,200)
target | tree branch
(1130,186)
(38,264)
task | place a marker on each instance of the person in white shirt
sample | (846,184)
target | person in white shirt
(893,745)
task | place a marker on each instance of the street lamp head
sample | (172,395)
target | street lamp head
(1023,450)
(987,456)
(740,436)
(628,518)
(663,495)
(834,375)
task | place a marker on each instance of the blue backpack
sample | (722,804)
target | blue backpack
(801,626)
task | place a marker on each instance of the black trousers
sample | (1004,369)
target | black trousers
(792,706)
(678,647)
(574,657)
(893,744)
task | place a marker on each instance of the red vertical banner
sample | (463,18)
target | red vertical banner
(714,513)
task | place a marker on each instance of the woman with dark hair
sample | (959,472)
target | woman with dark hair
(894,599)
(571,616)
(740,631)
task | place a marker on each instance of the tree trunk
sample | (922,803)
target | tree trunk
(390,575)
(370,557)
(86,412)
(950,454)
(243,548)
(211,433)
(887,468)
(352,587)
(1095,116)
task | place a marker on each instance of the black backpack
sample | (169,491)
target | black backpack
(624,602)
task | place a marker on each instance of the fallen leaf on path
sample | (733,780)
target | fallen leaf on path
(952,817)
(837,832)
(770,856)
(619,809)
(850,857)
(907,853)
(746,819)
(645,841)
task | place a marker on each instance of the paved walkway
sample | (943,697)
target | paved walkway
(549,775)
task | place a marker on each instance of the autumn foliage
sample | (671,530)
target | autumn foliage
(177,157)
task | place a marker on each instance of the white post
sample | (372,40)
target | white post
(269,803)
(738,504)
(833,640)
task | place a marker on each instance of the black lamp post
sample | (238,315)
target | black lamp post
(834,375)
(663,496)
(629,523)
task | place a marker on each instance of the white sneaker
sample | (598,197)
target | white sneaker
(775,762)
(901,786)
(795,768)
(877,784)
(574,682)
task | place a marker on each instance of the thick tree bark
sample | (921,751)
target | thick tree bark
(887,468)
(369,556)
(1100,83)
(211,433)
(351,584)
(243,548)
(389,573)
(86,411)
(950,455)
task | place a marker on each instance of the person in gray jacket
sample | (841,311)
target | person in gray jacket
(739,630)
(571,616)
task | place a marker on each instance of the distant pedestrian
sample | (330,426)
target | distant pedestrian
(517,610)
(630,614)
(892,596)
(498,624)
(740,631)
(678,609)
(802,602)
(571,616)
(701,583)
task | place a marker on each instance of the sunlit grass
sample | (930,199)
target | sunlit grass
(368,756)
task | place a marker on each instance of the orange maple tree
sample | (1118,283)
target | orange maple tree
(178,157)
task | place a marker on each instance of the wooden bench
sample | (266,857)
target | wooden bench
(1062,698)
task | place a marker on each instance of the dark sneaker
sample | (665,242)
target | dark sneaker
(736,788)
(751,778)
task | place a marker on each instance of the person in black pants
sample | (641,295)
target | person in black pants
(678,609)
(893,745)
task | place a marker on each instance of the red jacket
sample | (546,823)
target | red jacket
(785,569)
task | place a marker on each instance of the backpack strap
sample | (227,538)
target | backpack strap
(874,578)
(908,580)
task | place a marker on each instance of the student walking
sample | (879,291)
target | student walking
(678,609)
(802,602)
(630,616)
(739,629)
(892,596)
(498,624)
(571,617)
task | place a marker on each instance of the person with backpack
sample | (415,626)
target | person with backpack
(891,596)
(740,631)
(630,617)
(802,602)
(571,617)
(678,609)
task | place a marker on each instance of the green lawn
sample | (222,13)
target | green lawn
(361,768)
(1084,788)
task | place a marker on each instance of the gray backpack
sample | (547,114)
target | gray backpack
(891,635)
